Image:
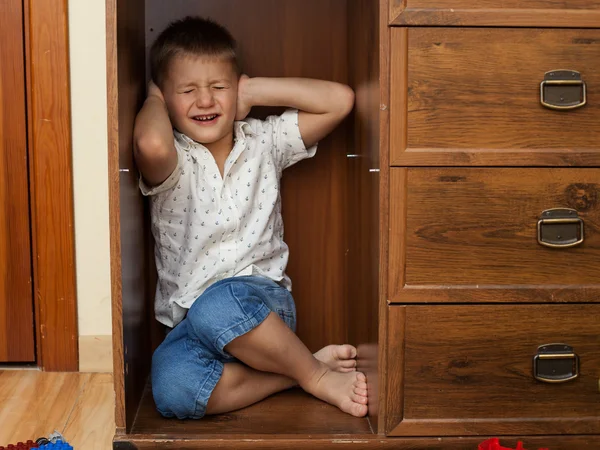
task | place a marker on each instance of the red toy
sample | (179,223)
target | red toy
(21,446)
(494,444)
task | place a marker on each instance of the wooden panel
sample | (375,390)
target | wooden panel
(354,442)
(518,13)
(16,302)
(290,412)
(467,370)
(470,235)
(276,40)
(474,97)
(362,257)
(131,299)
(379,405)
(51,186)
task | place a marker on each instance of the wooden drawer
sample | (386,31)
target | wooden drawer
(468,370)
(470,235)
(472,97)
(529,13)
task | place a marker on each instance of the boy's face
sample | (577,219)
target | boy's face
(201,97)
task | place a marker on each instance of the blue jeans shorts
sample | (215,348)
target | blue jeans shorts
(188,364)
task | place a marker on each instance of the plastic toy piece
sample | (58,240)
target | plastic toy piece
(494,444)
(58,445)
(20,446)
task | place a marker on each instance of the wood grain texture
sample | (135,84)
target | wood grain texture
(457,76)
(362,255)
(131,299)
(477,363)
(291,412)
(16,302)
(469,14)
(394,9)
(358,442)
(33,403)
(91,422)
(379,417)
(51,185)
(114,205)
(396,360)
(275,40)
(79,406)
(471,236)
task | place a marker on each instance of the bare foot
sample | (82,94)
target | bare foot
(347,391)
(340,358)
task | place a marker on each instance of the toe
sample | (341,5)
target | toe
(348,363)
(345,351)
(360,385)
(359,399)
(360,377)
(360,391)
(359,410)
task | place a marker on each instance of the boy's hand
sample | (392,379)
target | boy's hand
(153,89)
(243,100)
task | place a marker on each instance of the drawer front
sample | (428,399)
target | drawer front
(471,235)
(524,13)
(473,97)
(468,370)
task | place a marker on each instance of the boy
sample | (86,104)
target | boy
(216,219)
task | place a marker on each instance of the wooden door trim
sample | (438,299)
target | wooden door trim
(51,183)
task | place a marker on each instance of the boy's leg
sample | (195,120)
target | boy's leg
(241,386)
(273,347)
(235,318)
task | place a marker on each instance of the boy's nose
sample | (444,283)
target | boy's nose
(204,99)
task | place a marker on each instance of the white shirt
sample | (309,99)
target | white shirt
(207,227)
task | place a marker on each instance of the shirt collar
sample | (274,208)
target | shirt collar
(241,129)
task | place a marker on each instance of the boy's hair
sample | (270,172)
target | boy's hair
(191,36)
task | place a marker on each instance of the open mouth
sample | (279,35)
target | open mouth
(206,118)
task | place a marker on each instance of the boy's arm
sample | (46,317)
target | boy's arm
(322,104)
(153,146)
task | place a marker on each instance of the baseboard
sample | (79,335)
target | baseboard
(95,354)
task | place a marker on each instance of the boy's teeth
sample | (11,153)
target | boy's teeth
(205,118)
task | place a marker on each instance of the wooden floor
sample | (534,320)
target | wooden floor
(78,405)
(292,412)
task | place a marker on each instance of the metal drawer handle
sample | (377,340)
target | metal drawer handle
(563,90)
(555,363)
(560,228)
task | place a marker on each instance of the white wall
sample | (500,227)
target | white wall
(90,166)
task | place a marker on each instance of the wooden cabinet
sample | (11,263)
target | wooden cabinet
(415,232)
(471,235)
(480,286)
(471,96)
(468,370)
(526,13)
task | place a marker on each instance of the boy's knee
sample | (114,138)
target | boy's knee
(172,391)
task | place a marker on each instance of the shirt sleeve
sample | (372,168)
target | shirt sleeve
(288,146)
(170,182)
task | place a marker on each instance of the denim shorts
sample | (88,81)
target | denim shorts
(188,364)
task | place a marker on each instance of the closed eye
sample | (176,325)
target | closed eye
(219,87)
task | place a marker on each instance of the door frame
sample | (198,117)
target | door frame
(45,25)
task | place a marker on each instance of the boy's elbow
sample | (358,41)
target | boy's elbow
(150,147)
